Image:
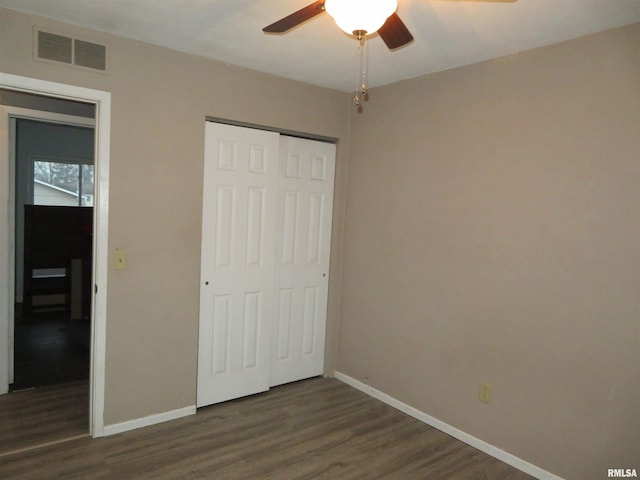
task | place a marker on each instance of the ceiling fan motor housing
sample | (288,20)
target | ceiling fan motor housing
(360,15)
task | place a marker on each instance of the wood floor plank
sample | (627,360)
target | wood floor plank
(317,429)
(43,415)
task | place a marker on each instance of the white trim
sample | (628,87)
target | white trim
(148,421)
(6,256)
(50,117)
(481,445)
(102,102)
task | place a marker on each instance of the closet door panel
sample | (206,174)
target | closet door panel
(266,234)
(303,241)
(238,243)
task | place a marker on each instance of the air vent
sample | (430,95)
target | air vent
(90,55)
(54,47)
(72,51)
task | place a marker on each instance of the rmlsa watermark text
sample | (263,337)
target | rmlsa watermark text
(622,473)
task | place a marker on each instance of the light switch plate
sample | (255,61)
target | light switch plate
(484,393)
(120,259)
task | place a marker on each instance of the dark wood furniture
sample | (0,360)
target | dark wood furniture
(57,242)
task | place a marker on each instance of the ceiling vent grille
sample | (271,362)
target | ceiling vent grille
(72,51)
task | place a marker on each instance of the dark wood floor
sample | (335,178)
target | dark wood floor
(49,399)
(43,415)
(315,429)
(50,349)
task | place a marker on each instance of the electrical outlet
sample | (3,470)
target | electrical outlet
(484,393)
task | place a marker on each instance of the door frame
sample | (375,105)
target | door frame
(102,102)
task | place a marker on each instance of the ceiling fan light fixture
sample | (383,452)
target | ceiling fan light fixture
(360,15)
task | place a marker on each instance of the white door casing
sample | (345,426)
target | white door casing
(238,241)
(305,206)
(102,101)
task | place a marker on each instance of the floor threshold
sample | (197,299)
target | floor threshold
(42,445)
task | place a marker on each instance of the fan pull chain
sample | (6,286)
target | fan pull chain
(361,92)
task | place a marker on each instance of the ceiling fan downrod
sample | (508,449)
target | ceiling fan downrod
(361,92)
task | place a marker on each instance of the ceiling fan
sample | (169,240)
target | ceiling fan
(360,18)
(393,31)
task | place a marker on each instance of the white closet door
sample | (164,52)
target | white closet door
(305,207)
(238,244)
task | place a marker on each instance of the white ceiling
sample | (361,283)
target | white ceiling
(447,33)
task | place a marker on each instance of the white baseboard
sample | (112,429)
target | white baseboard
(481,445)
(147,421)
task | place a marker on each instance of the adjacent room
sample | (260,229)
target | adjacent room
(407,250)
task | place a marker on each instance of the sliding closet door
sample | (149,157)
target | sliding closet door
(305,207)
(238,244)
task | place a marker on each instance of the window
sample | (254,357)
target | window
(62,183)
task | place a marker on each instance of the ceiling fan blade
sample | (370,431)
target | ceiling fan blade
(394,32)
(296,18)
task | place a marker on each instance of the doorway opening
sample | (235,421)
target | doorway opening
(51,171)
(53,161)
(84,300)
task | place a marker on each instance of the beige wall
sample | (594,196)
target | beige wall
(159,102)
(493,235)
